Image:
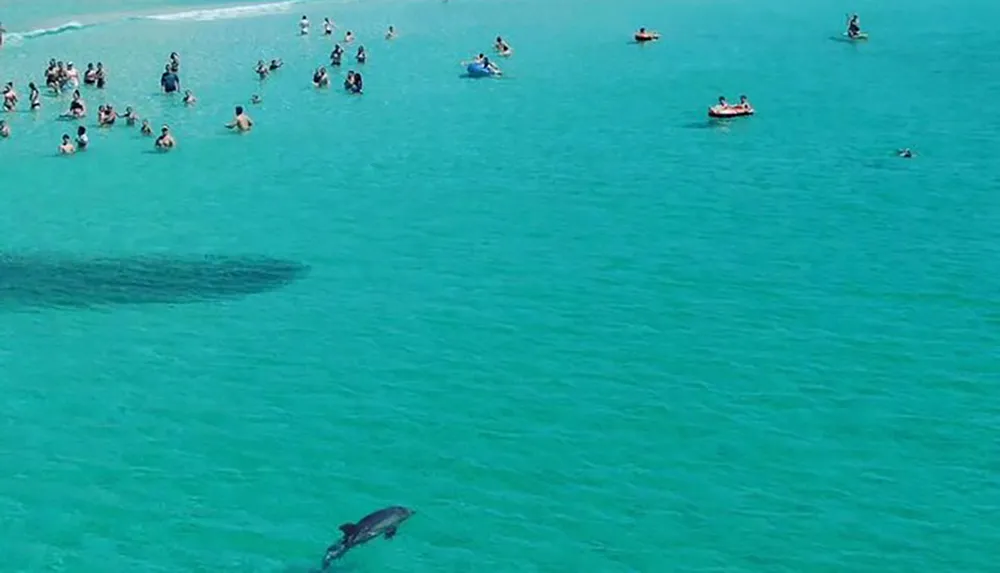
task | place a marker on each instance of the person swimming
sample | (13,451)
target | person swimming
(348,37)
(130,116)
(82,139)
(275,64)
(146,129)
(262,69)
(327,27)
(349,81)
(77,109)
(90,75)
(165,141)
(189,98)
(255,99)
(108,117)
(9,97)
(34,97)
(502,47)
(320,78)
(101,76)
(644,35)
(854,26)
(304,26)
(241,122)
(390,33)
(361,56)
(905,153)
(170,82)
(4,129)
(337,55)
(66,147)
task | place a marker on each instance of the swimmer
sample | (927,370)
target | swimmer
(9,97)
(90,75)
(644,35)
(275,64)
(72,75)
(241,122)
(854,26)
(130,116)
(349,81)
(34,97)
(66,147)
(348,37)
(502,47)
(165,141)
(336,55)
(146,129)
(327,27)
(82,140)
(101,76)
(390,33)
(304,26)
(4,129)
(358,84)
(189,98)
(262,69)
(170,82)
(174,64)
(255,99)
(905,153)
(108,117)
(320,78)
(361,56)
(77,109)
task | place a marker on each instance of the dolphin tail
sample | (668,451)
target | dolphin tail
(334,552)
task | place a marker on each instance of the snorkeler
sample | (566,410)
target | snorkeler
(241,122)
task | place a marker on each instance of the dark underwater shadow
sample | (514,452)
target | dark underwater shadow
(80,282)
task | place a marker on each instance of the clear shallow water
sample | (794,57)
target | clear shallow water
(569,322)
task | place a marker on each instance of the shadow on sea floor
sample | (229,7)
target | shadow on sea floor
(82,282)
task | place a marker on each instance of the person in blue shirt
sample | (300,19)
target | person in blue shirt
(169,81)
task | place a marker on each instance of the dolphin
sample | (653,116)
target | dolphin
(383,522)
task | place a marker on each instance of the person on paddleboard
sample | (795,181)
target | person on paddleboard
(854,26)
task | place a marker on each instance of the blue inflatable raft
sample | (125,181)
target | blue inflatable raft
(477,70)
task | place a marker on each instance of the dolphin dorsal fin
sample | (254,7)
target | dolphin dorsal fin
(348,529)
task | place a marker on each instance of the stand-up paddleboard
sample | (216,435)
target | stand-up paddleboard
(857,37)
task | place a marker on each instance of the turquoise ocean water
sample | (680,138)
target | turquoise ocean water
(572,324)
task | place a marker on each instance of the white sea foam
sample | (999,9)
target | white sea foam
(18,38)
(227,13)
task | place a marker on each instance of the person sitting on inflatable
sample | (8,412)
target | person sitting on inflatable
(490,66)
(646,36)
(854,27)
(744,103)
(723,104)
